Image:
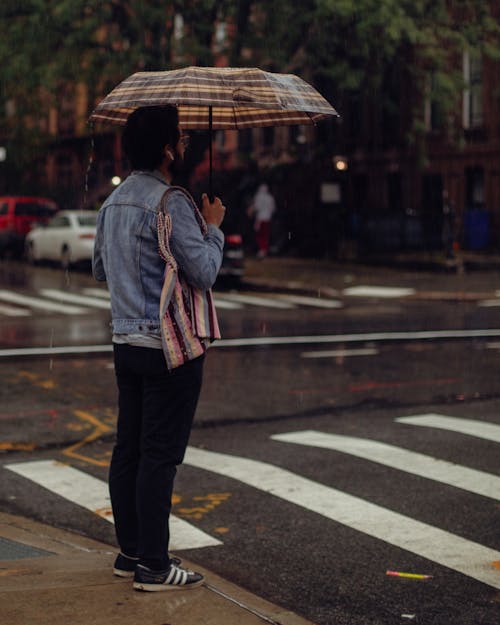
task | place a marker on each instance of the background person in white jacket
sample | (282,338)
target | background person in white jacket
(263,208)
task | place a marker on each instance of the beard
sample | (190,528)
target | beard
(177,165)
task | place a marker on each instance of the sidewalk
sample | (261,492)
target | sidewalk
(470,276)
(52,577)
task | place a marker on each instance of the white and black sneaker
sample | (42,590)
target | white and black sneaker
(124,566)
(175,577)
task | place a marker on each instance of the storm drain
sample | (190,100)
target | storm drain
(11,550)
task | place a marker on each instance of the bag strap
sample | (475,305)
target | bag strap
(165,222)
(162,207)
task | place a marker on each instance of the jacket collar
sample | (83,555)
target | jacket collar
(154,174)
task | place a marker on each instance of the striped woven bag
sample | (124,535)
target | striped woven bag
(188,317)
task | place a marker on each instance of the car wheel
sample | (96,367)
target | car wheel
(65,257)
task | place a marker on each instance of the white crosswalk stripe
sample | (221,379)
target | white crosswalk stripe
(479,429)
(222,303)
(478,482)
(316,302)
(96,292)
(437,545)
(39,303)
(75,298)
(92,494)
(256,300)
(71,302)
(378,291)
(13,311)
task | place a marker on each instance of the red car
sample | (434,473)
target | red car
(18,214)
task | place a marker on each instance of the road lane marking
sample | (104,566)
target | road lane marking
(12,311)
(74,298)
(303,300)
(437,545)
(378,291)
(479,429)
(100,428)
(54,351)
(268,341)
(222,303)
(92,494)
(489,303)
(256,300)
(97,292)
(479,482)
(421,335)
(35,302)
(340,353)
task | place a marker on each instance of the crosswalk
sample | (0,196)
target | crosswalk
(83,301)
(14,303)
(92,494)
(436,544)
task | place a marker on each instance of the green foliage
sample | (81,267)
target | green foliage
(344,47)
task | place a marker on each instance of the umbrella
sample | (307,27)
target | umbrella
(220,98)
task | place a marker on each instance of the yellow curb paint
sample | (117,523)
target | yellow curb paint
(35,379)
(221,530)
(5,446)
(104,512)
(100,428)
(210,501)
(7,572)
(47,384)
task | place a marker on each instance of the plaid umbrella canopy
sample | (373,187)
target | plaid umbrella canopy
(220,98)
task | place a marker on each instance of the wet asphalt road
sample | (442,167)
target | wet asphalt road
(315,563)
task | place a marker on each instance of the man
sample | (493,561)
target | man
(263,207)
(156,403)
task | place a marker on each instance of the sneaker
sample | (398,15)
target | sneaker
(174,578)
(124,566)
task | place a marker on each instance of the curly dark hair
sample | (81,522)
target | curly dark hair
(147,131)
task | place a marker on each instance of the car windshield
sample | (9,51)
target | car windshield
(87,220)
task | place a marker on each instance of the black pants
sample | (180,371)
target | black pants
(156,410)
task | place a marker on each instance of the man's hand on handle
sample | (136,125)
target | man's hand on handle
(213,212)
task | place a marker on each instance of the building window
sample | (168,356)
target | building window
(220,139)
(296,134)
(268,136)
(64,170)
(473,92)
(394,192)
(245,140)
(474,187)
(434,114)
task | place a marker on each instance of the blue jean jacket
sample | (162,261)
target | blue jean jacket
(126,251)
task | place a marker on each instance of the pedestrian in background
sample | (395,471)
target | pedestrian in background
(262,208)
(158,356)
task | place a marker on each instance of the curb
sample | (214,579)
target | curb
(69,578)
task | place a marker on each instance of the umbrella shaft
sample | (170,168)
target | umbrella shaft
(210,131)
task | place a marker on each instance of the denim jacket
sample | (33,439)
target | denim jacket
(126,251)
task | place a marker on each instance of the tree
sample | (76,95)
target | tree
(357,52)
(367,49)
(49,48)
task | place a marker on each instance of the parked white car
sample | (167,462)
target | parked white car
(67,238)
